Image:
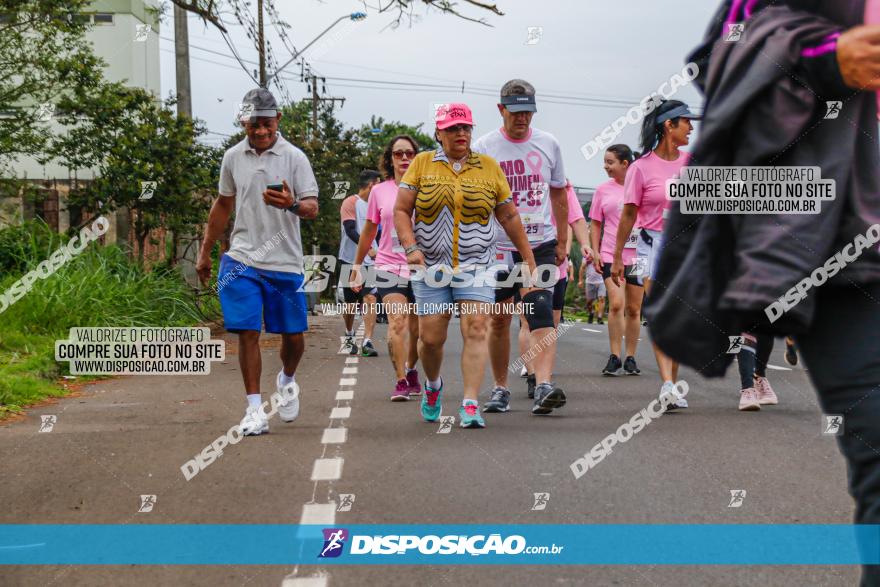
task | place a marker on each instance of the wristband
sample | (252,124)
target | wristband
(411,249)
(294,207)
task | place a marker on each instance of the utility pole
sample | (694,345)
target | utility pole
(313,80)
(187,245)
(181,60)
(261,41)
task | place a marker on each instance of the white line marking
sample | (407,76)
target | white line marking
(305,581)
(347,381)
(774,367)
(351,361)
(591,330)
(319,513)
(327,469)
(344,394)
(334,435)
(340,413)
(349,370)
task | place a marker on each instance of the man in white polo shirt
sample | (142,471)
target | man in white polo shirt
(270,184)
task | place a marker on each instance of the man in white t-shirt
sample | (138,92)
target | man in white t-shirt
(270,185)
(532,161)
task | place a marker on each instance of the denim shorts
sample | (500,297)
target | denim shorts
(439,288)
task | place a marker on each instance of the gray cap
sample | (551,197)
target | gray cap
(263,102)
(518,95)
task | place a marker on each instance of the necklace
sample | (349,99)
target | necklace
(456,166)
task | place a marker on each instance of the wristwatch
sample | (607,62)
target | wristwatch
(294,208)
(411,249)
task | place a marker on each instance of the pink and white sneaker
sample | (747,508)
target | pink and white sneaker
(401,392)
(766,397)
(414,386)
(748,400)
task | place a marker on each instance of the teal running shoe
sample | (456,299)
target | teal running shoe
(469,416)
(431,406)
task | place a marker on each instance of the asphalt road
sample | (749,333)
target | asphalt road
(126,437)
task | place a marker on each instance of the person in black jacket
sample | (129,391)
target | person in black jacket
(768,97)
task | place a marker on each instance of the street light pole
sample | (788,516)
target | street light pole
(355,16)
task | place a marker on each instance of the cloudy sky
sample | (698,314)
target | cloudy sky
(593,61)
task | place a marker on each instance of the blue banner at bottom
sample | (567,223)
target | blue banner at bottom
(523,544)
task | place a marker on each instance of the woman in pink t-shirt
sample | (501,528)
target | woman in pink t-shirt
(625,302)
(391,270)
(664,131)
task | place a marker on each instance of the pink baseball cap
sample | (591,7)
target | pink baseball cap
(451,114)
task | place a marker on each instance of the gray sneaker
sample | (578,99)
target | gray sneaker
(499,402)
(547,398)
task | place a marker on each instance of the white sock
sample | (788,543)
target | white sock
(471,402)
(349,333)
(254,400)
(367,341)
(285,380)
(435,385)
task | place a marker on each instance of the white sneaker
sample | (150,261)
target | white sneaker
(288,409)
(254,422)
(670,388)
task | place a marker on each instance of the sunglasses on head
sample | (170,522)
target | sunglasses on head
(409,154)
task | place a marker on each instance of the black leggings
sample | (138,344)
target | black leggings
(842,353)
(753,359)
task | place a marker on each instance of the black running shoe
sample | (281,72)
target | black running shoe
(547,398)
(600,321)
(531,383)
(614,367)
(367,350)
(790,353)
(630,367)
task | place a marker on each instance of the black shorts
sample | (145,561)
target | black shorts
(559,294)
(396,288)
(544,255)
(627,274)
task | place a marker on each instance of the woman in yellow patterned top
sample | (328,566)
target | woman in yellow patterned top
(443,219)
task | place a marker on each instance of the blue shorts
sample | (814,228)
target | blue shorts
(436,292)
(249,296)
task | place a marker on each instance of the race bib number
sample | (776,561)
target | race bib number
(633,239)
(534,226)
(396,247)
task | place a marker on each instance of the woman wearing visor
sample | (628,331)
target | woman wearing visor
(664,131)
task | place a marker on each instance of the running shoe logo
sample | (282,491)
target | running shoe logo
(541,501)
(736,343)
(833,425)
(334,542)
(737,497)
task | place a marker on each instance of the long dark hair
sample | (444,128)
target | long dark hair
(652,133)
(385,164)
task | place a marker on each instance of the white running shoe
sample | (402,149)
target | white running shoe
(670,388)
(254,422)
(288,409)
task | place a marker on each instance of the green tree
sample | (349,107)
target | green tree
(376,142)
(43,55)
(129,138)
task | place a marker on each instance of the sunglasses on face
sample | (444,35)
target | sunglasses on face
(459,128)
(409,154)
